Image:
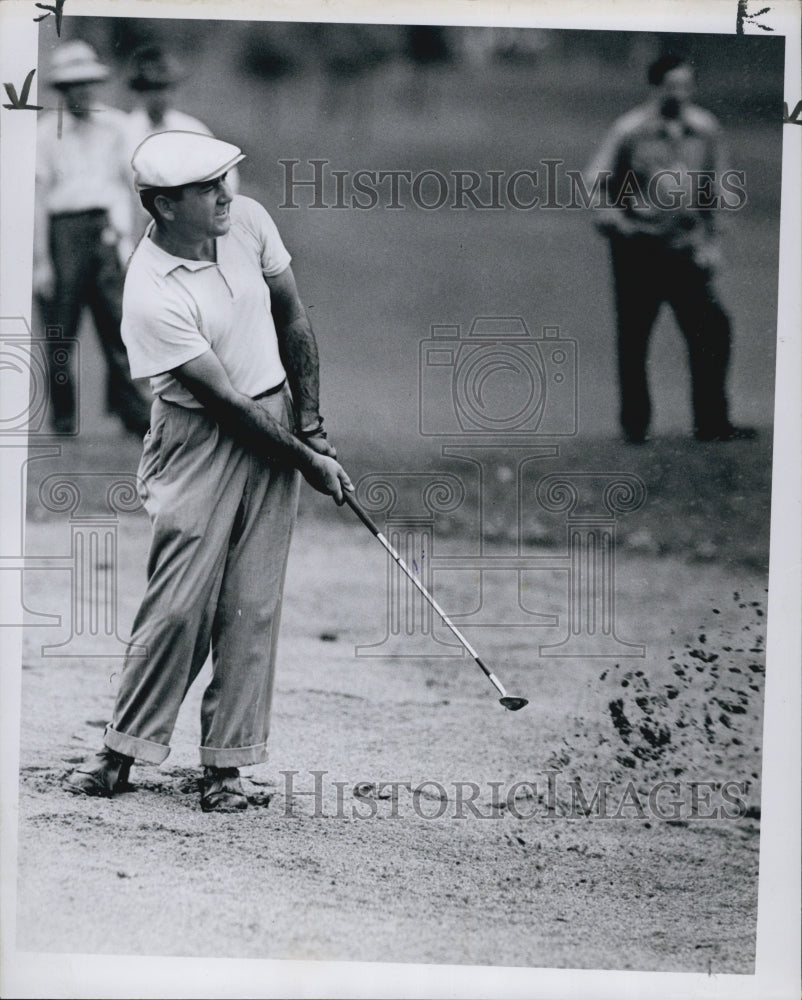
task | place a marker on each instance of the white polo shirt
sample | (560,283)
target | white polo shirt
(80,163)
(174,310)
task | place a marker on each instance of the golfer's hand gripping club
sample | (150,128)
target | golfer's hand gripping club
(509,702)
(320,443)
(326,475)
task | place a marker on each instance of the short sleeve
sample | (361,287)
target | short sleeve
(158,328)
(274,256)
(605,164)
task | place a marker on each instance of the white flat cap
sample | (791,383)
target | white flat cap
(76,62)
(172,159)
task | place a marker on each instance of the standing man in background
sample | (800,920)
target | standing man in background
(82,233)
(212,315)
(660,169)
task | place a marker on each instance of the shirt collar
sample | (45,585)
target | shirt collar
(663,125)
(166,262)
(98,116)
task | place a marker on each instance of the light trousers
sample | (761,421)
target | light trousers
(222,521)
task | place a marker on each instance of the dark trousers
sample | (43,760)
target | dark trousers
(88,272)
(646,274)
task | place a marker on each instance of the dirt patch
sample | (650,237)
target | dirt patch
(404,815)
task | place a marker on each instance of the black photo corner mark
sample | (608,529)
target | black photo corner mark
(744,16)
(20,102)
(57,10)
(794,117)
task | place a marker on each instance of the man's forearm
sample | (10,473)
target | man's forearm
(613,222)
(299,356)
(259,432)
(253,427)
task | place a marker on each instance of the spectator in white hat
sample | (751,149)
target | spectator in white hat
(212,315)
(82,233)
(153,77)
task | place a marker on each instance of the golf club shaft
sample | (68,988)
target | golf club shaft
(373,528)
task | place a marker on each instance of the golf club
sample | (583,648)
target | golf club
(509,702)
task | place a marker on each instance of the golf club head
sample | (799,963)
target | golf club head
(513,704)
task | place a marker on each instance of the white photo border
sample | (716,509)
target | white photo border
(777,957)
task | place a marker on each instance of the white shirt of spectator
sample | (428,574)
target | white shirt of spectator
(84,166)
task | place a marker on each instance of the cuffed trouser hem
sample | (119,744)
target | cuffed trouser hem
(233,756)
(135,746)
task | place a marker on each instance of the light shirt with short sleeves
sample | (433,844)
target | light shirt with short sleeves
(81,166)
(174,310)
(649,161)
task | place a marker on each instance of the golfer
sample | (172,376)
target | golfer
(212,316)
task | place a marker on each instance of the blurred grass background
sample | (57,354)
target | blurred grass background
(379,97)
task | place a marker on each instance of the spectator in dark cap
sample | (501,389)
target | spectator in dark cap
(82,235)
(153,76)
(660,168)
